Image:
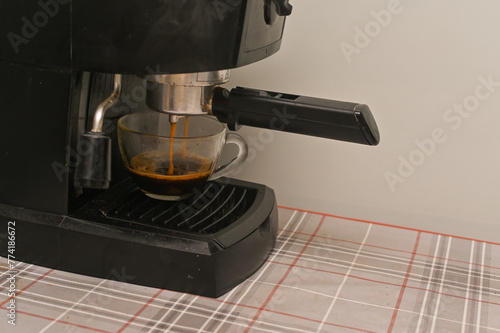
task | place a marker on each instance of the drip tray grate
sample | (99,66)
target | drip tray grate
(209,211)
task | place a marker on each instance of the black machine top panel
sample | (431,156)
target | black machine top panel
(138,37)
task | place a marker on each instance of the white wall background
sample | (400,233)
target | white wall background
(421,61)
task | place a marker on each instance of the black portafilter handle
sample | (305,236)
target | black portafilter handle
(345,121)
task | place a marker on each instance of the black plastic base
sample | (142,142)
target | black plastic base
(205,245)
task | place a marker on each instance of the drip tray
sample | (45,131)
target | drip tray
(205,245)
(211,210)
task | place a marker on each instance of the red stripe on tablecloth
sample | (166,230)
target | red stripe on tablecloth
(284,277)
(395,250)
(380,282)
(140,311)
(318,321)
(285,313)
(387,225)
(60,321)
(28,286)
(403,287)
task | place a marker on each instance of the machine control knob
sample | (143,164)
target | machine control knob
(273,9)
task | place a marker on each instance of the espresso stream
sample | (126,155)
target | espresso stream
(173,127)
(169,173)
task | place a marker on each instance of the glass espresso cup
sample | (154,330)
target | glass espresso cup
(169,161)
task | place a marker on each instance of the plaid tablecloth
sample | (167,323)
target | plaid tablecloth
(326,274)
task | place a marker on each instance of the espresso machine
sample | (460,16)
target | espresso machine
(70,69)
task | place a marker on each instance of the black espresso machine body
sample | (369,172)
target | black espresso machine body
(58,62)
(54,65)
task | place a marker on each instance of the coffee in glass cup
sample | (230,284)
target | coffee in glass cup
(168,161)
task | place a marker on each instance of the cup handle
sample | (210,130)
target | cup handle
(235,162)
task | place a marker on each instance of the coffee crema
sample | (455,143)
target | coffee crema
(164,173)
